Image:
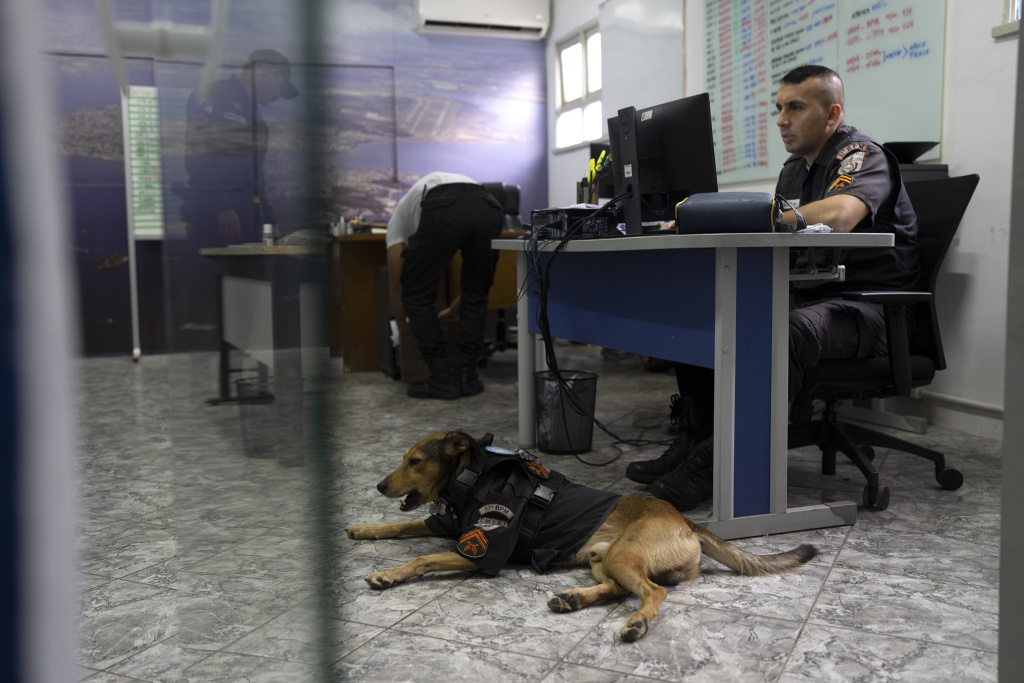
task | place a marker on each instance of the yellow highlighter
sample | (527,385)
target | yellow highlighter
(590,173)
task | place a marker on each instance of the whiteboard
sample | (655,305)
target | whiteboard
(888,53)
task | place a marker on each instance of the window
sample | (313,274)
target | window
(579,117)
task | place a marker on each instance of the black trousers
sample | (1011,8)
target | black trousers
(824,330)
(455,217)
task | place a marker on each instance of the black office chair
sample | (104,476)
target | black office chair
(508,197)
(915,352)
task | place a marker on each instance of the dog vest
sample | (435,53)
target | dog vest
(506,508)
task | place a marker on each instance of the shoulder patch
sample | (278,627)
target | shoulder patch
(849,149)
(840,182)
(473,543)
(853,163)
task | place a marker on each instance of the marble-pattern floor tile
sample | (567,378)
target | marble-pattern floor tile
(827,654)
(412,658)
(940,612)
(161,663)
(121,618)
(480,611)
(692,643)
(199,563)
(352,599)
(924,555)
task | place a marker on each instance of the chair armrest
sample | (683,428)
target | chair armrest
(897,333)
(888,297)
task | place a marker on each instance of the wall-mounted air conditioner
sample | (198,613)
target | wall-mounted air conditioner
(526,19)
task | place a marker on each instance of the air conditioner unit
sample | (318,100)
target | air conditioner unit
(525,19)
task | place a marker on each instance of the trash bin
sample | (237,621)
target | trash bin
(561,427)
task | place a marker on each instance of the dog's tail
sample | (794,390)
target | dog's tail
(749,564)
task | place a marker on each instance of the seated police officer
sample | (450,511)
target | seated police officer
(441,214)
(838,176)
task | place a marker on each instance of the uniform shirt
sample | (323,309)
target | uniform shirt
(489,527)
(852,163)
(406,218)
(225,145)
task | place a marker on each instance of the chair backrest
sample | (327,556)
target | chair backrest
(940,205)
(508,197)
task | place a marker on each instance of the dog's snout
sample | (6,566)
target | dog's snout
(383,486)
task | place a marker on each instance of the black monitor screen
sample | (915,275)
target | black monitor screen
(661,155)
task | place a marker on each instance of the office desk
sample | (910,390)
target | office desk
(353,262)
(718,301)
(270,303)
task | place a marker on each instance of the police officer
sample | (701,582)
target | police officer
(838,176)
(225,144)
(443,213)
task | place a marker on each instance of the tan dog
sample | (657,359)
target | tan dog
(641,546)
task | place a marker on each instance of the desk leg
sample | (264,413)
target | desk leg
(725,382)
(526,350)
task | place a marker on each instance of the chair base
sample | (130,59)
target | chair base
(858,443)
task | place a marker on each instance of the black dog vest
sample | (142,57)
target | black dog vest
(507,508)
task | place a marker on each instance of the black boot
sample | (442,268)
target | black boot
(647,471)
(687,416)
(693,424)
(692,482)
(441,383)
(470,383)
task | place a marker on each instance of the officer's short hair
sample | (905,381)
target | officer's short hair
(831,85)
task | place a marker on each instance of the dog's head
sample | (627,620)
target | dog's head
(429,467)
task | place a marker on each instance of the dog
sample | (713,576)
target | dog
(633,544)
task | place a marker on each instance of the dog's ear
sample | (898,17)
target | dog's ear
(459,445)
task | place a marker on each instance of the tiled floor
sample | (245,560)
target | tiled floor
(201,563)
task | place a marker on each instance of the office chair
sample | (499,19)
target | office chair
(508,197)
(915,352)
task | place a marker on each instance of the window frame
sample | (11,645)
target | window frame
(581,37)
(1011,19)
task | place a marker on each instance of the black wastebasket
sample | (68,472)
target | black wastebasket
(561,426)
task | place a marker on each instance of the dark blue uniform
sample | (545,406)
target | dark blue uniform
(226,143)
(823,326)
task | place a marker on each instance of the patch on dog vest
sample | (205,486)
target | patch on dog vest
(500,451)
(473,543)
(537,469)
(494,516)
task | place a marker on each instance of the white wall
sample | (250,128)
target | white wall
(977,136)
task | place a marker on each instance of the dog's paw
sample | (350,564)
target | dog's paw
(380,581)
(566,601)
(634,630)
(363,532)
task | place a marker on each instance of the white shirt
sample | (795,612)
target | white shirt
(406,218)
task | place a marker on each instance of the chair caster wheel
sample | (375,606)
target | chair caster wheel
(949,480)
(878,499)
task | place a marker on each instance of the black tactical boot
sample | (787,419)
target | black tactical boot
(440,384)
(692,423)
(470,383)
(692,482)
(647,471)
(689,417)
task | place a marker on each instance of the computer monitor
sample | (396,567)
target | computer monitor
(660,156)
